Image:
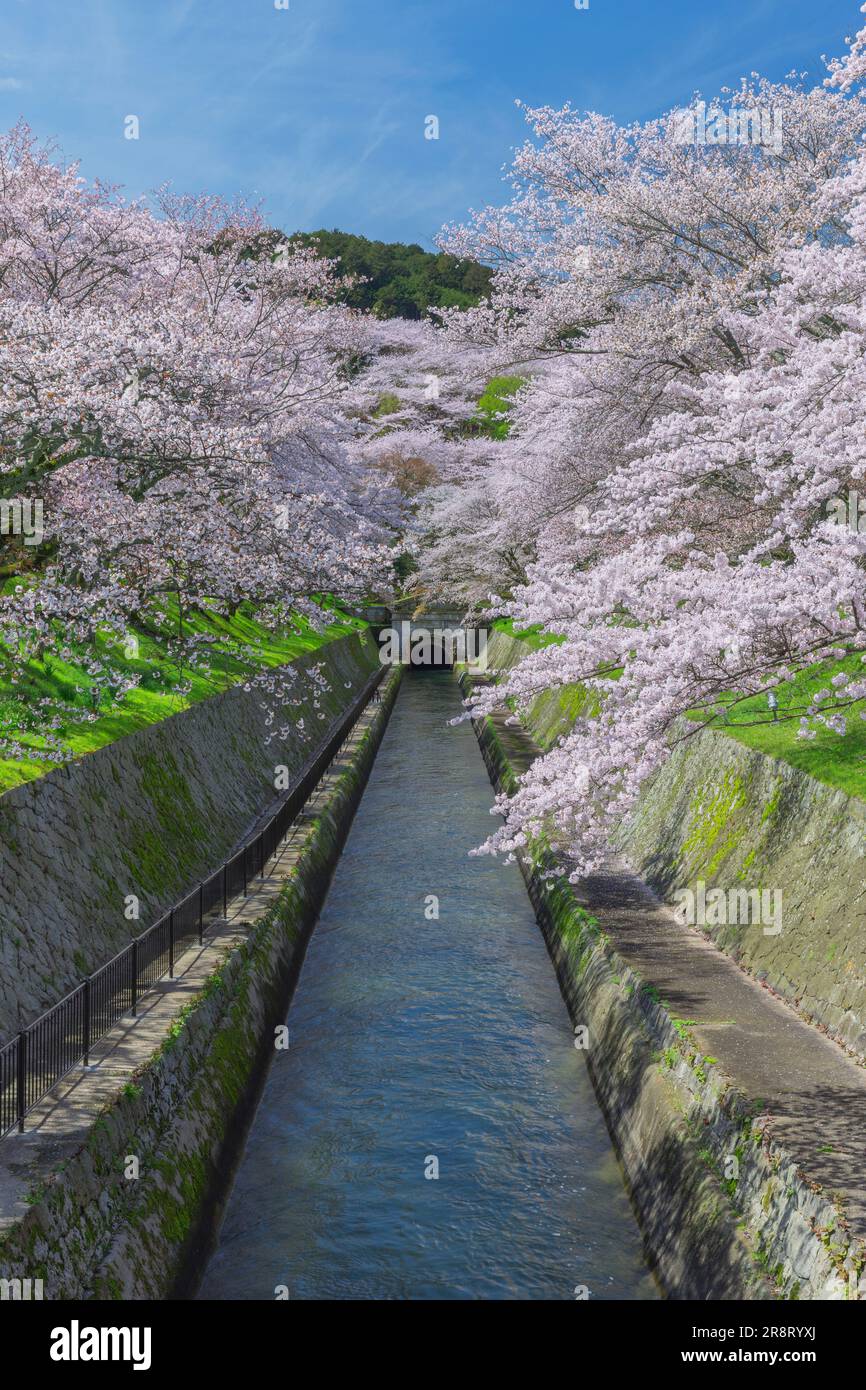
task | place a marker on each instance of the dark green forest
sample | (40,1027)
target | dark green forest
(402,281)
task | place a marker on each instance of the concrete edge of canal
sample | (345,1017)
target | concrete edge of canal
(674,1123)
(92,1232)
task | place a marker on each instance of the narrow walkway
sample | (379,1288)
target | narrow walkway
(813,1092)
(58,1126)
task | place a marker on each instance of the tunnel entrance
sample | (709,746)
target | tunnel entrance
(436,640)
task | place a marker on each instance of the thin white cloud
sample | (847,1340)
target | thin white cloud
(10,84)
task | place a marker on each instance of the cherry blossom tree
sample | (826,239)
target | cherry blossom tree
(689,317)
(174,389)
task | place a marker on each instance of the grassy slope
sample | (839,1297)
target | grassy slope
(533,637)
(242,648)
(495,402)
(837,760)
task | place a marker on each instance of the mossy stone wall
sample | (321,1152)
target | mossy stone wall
(146,816)
(676,1122)
(91,1232)
(732,817)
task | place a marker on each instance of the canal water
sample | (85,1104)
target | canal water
(422,1044)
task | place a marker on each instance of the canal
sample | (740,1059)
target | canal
(423,1044)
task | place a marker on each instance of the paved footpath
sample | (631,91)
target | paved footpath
(813,1092)
(58,1126)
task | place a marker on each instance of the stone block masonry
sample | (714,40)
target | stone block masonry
(739,1126)
(92,1230)
(729,817)
(732,818)
(148,816)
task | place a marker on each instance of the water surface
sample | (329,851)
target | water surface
(413,1040)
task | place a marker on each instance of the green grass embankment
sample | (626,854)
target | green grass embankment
(59,692)
(837,760)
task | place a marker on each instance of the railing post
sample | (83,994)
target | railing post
(261,854)
(225,889)
(87,1022)
(134,956)
(171,944)
(201,912)
(22,1080)
(244,857)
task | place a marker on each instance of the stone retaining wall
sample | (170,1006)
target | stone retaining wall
(727,816)
(732,817)
(725,1212)
(148,815)
(90,1232)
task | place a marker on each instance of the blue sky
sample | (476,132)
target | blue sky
(318,110)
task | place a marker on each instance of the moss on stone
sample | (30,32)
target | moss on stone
(712,808)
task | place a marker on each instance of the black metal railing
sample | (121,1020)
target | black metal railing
(33,1062)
